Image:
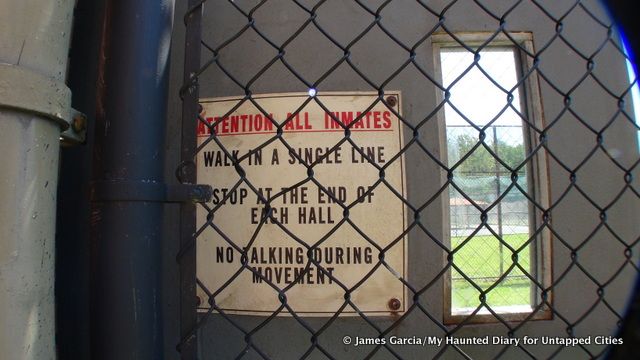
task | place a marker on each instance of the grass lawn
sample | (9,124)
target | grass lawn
(480,260)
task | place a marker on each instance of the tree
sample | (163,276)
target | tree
(481,161)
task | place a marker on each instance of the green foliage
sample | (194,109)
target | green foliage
(481,161)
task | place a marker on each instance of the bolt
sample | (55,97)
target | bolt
(79,123)
(394,304)
(392,101)
(197,194)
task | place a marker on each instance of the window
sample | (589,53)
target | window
(491,122)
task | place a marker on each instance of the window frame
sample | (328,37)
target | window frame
(537,178)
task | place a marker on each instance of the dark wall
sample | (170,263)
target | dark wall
(73,218)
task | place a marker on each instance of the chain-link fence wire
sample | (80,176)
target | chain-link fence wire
(493,202)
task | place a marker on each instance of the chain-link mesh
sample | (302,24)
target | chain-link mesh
(510,195)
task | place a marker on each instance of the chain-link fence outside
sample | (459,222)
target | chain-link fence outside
(483,180)
(506,199)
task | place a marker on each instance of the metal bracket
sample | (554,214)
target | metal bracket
(76,133)
(149,191)
(25,90)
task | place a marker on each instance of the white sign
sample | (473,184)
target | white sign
(282,204)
